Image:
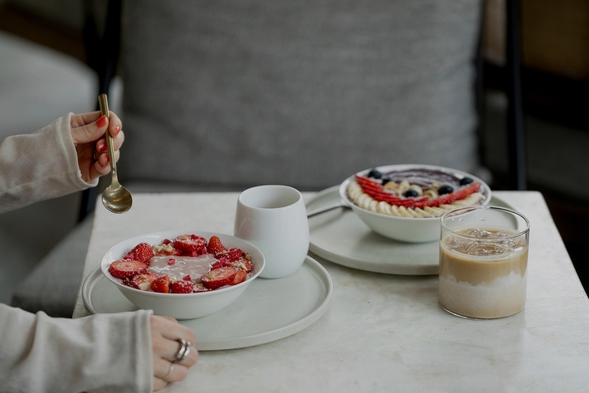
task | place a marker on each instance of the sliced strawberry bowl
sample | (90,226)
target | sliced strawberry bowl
(405,202)
(184,274)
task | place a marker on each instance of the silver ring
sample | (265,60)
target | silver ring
(169,371)
(183,350)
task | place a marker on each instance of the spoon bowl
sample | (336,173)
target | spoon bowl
(115,198)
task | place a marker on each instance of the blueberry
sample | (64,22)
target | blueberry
(375,174)
(410,193)
(465,180)
(445,189)
(385,180)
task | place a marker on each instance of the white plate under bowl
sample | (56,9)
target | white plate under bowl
(270,309)
(341,237)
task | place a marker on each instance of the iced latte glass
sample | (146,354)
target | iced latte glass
(483,262)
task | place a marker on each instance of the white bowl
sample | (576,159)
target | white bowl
(406,229)
(182,305)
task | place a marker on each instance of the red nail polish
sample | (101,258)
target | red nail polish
(117,129)
(102,121)
(107,159)
(101,147)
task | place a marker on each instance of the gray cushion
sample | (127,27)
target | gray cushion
(300,93)
(53,285)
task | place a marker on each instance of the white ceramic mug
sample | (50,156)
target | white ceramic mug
(274,219)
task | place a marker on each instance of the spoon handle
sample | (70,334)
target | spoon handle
(326,208)
(103,103)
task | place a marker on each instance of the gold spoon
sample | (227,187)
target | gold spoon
(326,208)
(116,198)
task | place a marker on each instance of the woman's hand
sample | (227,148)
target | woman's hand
(164,333)
(88,134)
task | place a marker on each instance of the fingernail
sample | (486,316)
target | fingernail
(101,147)
(117,130)
(102,121)
(107,159)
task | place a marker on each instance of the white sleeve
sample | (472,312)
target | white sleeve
(100,353)
(39,166)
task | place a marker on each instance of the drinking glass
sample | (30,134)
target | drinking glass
(483,262)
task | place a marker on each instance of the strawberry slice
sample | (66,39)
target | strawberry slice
(141,252)
(218,277)
(166,248)
(456,195)
(124,268)
(191,245)
(223,261)
(240,277)
(233,254)
(182,287)
(243,264)
(215,246)
(142,281)
(200,288)
(161,284)
(376,191)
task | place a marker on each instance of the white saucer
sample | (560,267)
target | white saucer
(341,237)
(269,310)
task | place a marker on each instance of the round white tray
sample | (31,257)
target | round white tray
(269,309)
(341,237)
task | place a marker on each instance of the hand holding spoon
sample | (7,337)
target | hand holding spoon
(116,198)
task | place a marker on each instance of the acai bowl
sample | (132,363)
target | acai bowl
(405,202)
(202,277)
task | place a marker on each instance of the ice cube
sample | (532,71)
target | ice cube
(476,232)
(482,249)
(500,234)
(458,244)
(512,245)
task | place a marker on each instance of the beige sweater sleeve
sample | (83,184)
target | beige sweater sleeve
(39,166)
(100,353)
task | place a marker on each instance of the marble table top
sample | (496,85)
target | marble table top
(387,333)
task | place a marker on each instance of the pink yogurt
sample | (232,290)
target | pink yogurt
(182,266)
